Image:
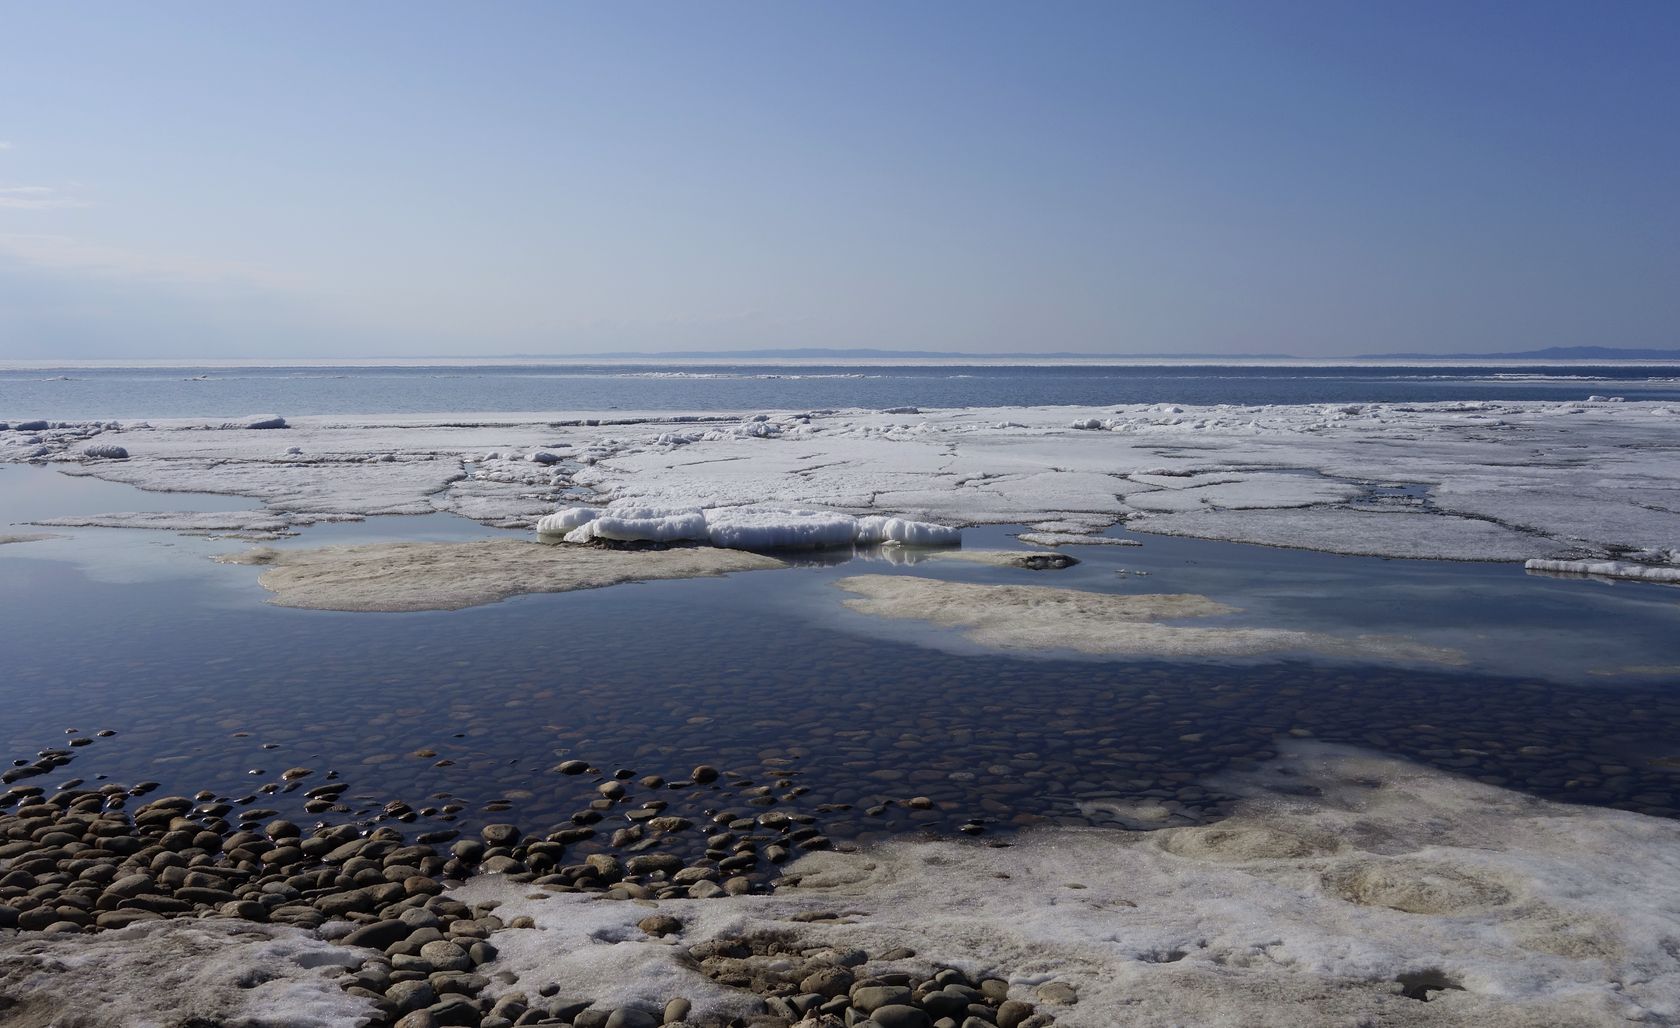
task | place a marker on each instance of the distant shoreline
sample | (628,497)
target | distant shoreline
(1671,359)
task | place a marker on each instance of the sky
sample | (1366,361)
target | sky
(411,179)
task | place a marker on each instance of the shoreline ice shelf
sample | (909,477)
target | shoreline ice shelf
(1577,481)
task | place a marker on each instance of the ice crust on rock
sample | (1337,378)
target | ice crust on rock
(413,576)
(742,528)
(1343,880)
(161,974)
(1046,618)
(1486,481)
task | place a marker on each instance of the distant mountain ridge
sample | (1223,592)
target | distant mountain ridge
(858,353)
(1554,353)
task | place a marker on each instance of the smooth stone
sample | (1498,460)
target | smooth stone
(411,995)
(378,935)
(444,955)
(869,998)
(899,1016)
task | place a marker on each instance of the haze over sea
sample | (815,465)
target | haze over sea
(390,387)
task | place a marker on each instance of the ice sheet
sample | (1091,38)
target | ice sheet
(1486,481)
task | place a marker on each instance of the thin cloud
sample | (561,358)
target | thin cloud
(67,254)
(35,198)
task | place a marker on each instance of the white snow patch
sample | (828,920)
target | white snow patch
(159,974)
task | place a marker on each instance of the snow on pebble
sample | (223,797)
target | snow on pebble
(743,528)
(1606,569)
(1346,888)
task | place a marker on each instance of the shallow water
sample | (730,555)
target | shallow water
(763,675)
(131,393)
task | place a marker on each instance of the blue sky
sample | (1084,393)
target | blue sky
(413,178)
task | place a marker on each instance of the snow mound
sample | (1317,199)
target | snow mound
(736,529)
(874,530)
(742,528)
(561,522)
(1606,569)
(642,524)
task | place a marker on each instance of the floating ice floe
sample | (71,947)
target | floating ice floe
(1073,539)
(1606,569)
(737,528)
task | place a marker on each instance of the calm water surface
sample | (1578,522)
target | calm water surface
(463,715)
(130,393)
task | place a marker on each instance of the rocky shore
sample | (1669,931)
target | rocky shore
(88,860)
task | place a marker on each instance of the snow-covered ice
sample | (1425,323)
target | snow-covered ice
(1074,539)
(1484,481)
(1343,882)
